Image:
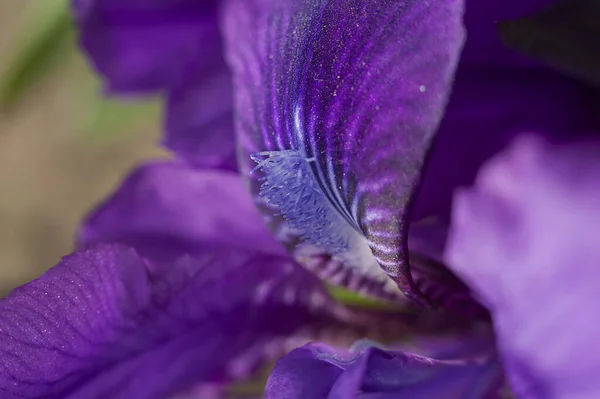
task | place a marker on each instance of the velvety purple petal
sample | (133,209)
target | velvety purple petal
(473,342)
(167,209)
(428,237)
(376,373)
(140,46)
(426,241)
(498,94)
(336,104)
(103,323)
(300,375)
(199,120)
(145,45)
(525,239)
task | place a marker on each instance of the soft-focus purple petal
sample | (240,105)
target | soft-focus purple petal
(103,323)
(428,237)
(497,94)
(377,373)
(337,102)
(526,240)
(199,120)
(144,45)
(166,209)
(300,375)
(476,341)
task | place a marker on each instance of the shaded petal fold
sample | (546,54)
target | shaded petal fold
(166,209)
(143,46)
(140,47)
(336,104)
(525,239)
(199,119)
(563,35)
(317,370)
(104,323)
(497,94)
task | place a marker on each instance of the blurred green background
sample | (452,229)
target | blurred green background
(62,147)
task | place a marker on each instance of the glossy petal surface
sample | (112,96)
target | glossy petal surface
(337,102)
(104,323)
(166,209)
(525,239)
(319,371)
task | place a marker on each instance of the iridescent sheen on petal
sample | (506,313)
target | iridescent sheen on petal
(320,371)
(525,238)
(105,323)
(337,102)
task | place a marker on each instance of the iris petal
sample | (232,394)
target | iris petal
(143,46)
(166,209)
(524,238)
(199,119)
(171,47)
(337,102)
(498,94)
(317,370)
(105,323)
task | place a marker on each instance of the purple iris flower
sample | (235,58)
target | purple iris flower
(523,238)
(318,117)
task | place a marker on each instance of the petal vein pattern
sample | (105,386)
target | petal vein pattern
(331,106)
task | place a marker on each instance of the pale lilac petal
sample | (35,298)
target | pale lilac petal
(337,103)
(525,239)
(167,209)
(104,323)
